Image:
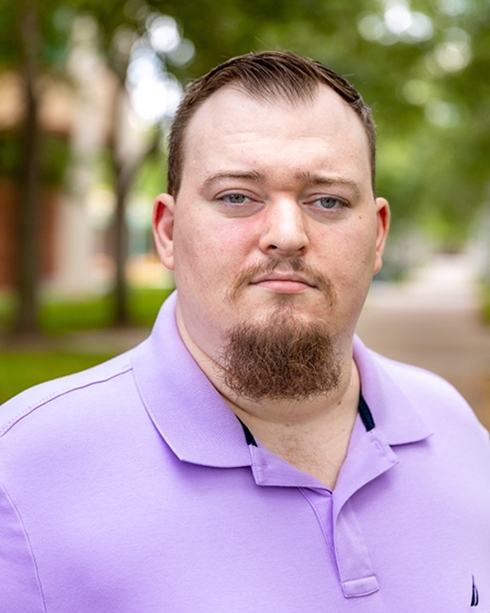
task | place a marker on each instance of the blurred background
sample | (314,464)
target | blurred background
(87,91)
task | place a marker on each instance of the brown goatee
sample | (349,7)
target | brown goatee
(285,359)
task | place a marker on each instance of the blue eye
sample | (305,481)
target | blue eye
(329,202)
(235,198)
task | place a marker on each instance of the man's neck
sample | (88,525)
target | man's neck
(313,434)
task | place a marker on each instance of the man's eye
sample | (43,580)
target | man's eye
(329,202)
(235,198)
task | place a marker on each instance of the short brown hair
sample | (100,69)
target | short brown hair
(267,74)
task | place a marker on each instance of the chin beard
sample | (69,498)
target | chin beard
(285,359)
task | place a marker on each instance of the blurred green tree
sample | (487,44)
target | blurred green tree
(421,64)
(30,45)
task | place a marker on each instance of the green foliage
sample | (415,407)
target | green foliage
(151,178)
(432,168)
(432,113)
(54,159)
(10,154)
(54,21)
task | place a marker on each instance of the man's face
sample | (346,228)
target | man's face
(275,217)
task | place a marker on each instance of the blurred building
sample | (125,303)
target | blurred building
(77,118)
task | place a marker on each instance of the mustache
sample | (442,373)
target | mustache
(295,265)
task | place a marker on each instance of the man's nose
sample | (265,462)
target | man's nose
(285,231)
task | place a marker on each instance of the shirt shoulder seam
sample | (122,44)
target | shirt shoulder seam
(4,428)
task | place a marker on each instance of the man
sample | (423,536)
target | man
(252,455)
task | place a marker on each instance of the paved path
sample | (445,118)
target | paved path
(433,321)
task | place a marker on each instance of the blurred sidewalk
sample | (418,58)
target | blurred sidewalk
(433,321)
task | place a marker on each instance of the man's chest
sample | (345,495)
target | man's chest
(212,540)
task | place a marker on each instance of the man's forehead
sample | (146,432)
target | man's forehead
(237,93)
(232,114)
(232,108)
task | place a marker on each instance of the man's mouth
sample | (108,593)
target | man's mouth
(279,277)
(285,283)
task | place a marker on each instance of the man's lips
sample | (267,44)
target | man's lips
(278,276)
(285,283)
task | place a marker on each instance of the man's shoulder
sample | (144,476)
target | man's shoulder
(414,378)
(71,391)
(433,396)
(418,381)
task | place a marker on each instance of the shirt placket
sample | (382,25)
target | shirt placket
(368,460)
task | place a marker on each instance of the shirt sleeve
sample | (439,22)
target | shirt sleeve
(20,590)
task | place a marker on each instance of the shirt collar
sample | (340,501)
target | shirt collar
(397,419)
(185,407)
(199,427)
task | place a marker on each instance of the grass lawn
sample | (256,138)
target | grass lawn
(23,366)
(92,312)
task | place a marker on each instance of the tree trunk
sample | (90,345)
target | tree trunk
(126,164)
(28,253)
(122,181)
(121,249)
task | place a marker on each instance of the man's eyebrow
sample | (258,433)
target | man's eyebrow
(306,177)
(244,176)
(320,179)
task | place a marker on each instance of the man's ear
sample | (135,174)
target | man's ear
(163,228)
(383,217)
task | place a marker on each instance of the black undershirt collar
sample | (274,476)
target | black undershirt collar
(362,408)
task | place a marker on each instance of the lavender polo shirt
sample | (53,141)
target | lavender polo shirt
(130,488)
